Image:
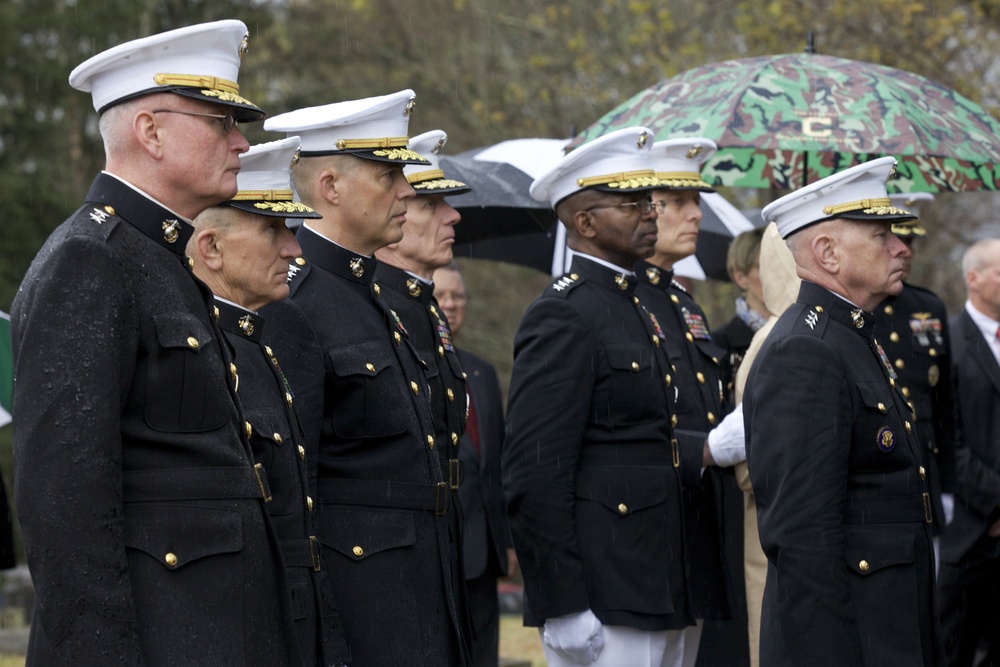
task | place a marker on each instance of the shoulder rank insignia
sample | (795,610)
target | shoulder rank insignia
(99,215)
(674,283)
(811,319)
(696,324)
(292,271)
(564,282)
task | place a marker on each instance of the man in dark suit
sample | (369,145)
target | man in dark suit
(592,470)
(486,550)
(241,250)
(913,329)
(970,545)
(713,509)
(143,514)
(384,520)
(836,466)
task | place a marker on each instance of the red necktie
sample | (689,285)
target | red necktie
(472,425)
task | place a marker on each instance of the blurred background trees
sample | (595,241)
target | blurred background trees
(483,71)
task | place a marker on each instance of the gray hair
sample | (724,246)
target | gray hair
(976,257)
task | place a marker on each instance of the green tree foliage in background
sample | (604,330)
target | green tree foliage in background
(483,71)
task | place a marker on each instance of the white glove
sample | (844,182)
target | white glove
(948,505)
(727,442)
(577,637)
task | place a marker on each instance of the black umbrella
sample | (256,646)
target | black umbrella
(545,249)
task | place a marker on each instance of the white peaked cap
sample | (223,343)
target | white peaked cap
(616,162)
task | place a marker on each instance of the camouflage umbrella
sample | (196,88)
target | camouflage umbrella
(787,120)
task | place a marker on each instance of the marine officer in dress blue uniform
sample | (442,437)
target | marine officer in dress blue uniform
(241,250)
(405,272)
(843,497)
(592,469)
(384,515)
(713,509)
(144,519)
(914,327)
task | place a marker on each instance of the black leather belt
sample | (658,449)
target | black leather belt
(302,553)
(905,509)
(195,484)
(385,493)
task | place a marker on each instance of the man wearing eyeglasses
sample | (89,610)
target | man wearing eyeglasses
(713,508)
(592,472)
(143,515)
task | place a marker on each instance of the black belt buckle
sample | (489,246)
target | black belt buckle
(315,552)
(454,474)
(265,488)
(441,492)
(675,451)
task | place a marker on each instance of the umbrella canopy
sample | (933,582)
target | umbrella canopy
(787,120)
(500,175)
(546,250)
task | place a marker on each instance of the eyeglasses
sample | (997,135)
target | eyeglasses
(228,121)
(644,206)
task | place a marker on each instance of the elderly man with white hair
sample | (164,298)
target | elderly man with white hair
(142,511)
(842,495)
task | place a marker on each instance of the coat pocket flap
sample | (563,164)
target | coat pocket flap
(268,426)
(176,535)
(869,550)
(179,329)
(625,358)
(364,358)
(622,496)
(876,395)
(359,534)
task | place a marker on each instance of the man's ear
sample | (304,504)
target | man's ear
(209,246)
(329,184)
(826,252)
(583,222)
(148,133)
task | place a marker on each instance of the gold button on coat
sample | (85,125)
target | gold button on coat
(358,551)
(673,297)
(673,420)
(170,559)
(622,508)
(668,379)
(711,418)
(922,472)
(932,352)
(288,399)
(414,387)
(889,310)
(248,428)
(396,337)
(454,438)
(192,342)
(700,376)
(451,394)
(430,441)
(900,364)
(277,437)
(909,427)
(635,365)
(689,337)
(309,503)
(863,565)
(301,261)
(894,337)
(440,350)
(882,408)
(302,452)
(370,366)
